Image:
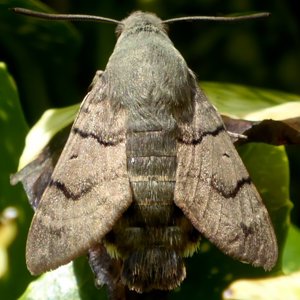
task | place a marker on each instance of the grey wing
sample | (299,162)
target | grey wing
(215,192)
(89,189)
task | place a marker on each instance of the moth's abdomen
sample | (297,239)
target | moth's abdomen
(153,235)
(151,165)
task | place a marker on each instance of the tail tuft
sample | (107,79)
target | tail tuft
(156,268)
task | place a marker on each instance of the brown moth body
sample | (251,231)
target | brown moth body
(153,235)
(147,169)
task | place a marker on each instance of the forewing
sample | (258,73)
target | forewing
(215,192)
(89,189)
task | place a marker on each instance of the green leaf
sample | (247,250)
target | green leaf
(291,257)
(250,103)
(51,122)
(13,130)
(275,288)
(72,281)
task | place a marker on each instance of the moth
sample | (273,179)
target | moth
(147,170)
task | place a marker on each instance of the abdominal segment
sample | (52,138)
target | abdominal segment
(153,236)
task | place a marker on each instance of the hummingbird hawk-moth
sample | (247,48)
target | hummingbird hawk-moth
(148,168)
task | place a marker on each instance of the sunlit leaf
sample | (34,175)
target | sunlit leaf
(72,281)
(275,288)
(250,103)
(51,122)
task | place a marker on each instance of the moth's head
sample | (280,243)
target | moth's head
(141,21)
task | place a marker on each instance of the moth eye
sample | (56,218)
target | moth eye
(119,29)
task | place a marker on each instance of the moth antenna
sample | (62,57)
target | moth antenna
(70,17)
(219,19)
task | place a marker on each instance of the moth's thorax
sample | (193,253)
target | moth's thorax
(147,75)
